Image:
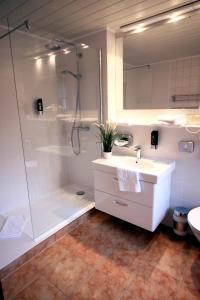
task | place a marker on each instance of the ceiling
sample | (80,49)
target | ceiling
(75,18)
(165,42)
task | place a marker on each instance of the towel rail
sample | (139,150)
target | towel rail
(186,97)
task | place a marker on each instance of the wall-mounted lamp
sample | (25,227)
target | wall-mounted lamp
(169,16)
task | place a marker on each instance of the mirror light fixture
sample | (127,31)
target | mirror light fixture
(169,16)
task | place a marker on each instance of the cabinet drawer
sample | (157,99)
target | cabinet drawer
(107,182)
(124,209)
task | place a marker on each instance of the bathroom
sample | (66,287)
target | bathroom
(66,66)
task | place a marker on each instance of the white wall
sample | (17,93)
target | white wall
(106,41)
(79,166)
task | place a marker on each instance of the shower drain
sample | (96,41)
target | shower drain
(80,193)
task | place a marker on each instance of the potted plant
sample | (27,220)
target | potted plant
(107,135)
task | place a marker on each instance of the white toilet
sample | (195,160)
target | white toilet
(194,221)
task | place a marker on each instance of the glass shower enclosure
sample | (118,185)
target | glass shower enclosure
(58,96)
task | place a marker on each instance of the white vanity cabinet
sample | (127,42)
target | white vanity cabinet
(145,209)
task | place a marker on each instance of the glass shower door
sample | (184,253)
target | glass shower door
(54,172)
(14,200)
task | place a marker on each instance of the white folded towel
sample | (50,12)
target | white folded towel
(128,180)
(13,227)
(172,119)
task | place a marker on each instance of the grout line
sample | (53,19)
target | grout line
(53,285)
(23,288)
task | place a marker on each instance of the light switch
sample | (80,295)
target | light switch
(186,146)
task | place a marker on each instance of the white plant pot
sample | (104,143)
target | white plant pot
(107,155)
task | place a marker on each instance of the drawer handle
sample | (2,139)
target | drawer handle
(120,203)
(115,178)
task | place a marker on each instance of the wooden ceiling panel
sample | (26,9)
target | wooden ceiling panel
(73,18)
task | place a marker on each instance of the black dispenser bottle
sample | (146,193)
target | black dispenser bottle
(154,139)
(39,106)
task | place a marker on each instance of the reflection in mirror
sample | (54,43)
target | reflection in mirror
(162,66)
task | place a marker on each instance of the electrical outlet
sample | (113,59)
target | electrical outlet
(186,146)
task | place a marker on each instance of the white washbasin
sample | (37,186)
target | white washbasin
(149,170)
(130,162)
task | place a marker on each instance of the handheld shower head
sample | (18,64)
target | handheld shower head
(27,24)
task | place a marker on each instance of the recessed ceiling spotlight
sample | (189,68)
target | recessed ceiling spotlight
(66,51)
(139,29)
(50,54)
(37,57)
(84,46)
(176,18)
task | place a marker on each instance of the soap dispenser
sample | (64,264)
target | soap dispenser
(39,106)
(154,139)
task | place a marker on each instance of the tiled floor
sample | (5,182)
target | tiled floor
(106,258)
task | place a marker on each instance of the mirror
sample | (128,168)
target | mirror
(162,66)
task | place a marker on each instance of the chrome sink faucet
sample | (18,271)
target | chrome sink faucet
(138,153)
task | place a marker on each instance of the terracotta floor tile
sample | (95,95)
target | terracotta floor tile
(158,286)
(15,282)
(108,283)
(186,292)
(191,276)
(80,232)
(171,240)
(72,244)
(148,259)
(135,291)
(98,242)
(96,218)
(51,255)
(40,289)
(68,273)
(174,262)
(82,250)
(108,259)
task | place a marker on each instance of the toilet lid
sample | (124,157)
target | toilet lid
(194,217)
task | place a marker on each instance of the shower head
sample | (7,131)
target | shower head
(53,46)
(66,71)
(58,44)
